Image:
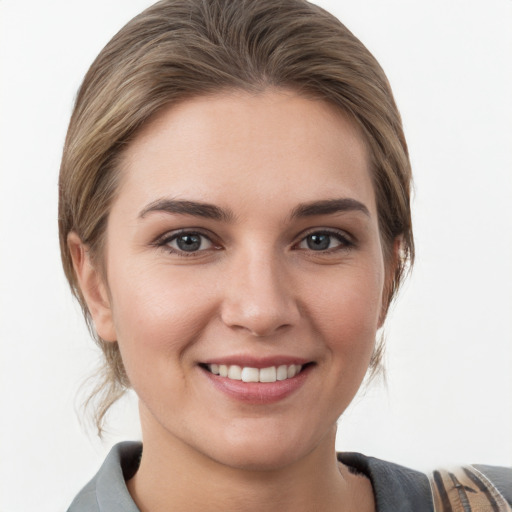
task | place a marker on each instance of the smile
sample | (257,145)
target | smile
(258,381)
(248,374)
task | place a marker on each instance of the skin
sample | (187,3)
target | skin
(254,288)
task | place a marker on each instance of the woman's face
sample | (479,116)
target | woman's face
(244,240)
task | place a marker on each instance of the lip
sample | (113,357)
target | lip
(258,393)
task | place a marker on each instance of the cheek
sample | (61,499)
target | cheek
(156,314)
(347,311)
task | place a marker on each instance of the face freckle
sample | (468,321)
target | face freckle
(245,234)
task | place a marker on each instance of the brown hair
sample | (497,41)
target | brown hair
(179,49)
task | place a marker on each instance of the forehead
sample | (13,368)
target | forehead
(275,147)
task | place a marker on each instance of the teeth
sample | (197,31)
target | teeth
(235,372)
(282,372)
(268,374)
(250,375)
(246,374)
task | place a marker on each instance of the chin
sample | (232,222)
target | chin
(252,459)
(265,450)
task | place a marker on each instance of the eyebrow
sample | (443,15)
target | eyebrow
(194,208)
(211,211)
(328,206)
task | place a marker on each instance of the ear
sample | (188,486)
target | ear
(390,272)
(93,288)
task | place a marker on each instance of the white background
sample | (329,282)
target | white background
(449,355)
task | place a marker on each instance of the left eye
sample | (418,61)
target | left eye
(323,241)
(189,242)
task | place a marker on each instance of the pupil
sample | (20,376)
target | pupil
(318,242)
(189,242)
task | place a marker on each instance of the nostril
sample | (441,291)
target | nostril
(260,322)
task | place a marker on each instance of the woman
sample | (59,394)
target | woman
(235,221)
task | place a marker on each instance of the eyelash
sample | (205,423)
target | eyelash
(345,242)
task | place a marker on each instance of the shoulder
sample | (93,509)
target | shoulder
(396,488)
(501,477)
(107,491)
(472,487)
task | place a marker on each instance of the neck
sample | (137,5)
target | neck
(174,474)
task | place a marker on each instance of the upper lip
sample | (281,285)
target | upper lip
(246,361)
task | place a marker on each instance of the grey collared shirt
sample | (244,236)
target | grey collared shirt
(396,488)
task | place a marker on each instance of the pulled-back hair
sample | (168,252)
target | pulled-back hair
(180,49)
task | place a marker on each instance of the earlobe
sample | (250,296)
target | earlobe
(93,288)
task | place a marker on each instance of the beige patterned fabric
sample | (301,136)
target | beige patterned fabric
(465,489)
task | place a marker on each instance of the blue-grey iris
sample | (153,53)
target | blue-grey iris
(189,243)
(318,242)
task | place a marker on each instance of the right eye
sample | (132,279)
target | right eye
(186,243)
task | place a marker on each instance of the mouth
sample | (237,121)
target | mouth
(249,374)
(257,381)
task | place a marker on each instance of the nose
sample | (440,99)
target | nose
(259,297)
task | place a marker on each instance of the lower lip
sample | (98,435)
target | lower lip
(258,392)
